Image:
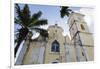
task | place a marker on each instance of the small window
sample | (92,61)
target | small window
(55,46)
(82,27)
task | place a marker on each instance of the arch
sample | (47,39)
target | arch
(55,46)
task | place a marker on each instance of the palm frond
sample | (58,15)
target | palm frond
(35,17)
(39,22)
(62,13)
(65,11)
(17,21)
(19,14)
(26,15)
(18,10)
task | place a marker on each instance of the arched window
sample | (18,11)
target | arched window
(55,46)
(82,27)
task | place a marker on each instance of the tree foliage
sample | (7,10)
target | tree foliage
(28,22)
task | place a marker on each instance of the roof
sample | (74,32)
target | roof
(52,26)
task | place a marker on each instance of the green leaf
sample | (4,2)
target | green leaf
(39,22)
(65,11)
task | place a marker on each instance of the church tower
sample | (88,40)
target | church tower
(81,37)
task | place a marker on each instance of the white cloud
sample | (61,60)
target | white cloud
(35,34)
(44,26)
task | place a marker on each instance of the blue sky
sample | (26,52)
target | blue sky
(52,14)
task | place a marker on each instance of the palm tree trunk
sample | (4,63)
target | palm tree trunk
(22,36)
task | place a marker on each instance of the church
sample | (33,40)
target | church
(58,48)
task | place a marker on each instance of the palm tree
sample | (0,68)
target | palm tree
(65,11)
(28,22)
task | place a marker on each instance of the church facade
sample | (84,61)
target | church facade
(61,49)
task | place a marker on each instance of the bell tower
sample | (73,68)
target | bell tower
(81,37)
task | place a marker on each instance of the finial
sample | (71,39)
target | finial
(56,23)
